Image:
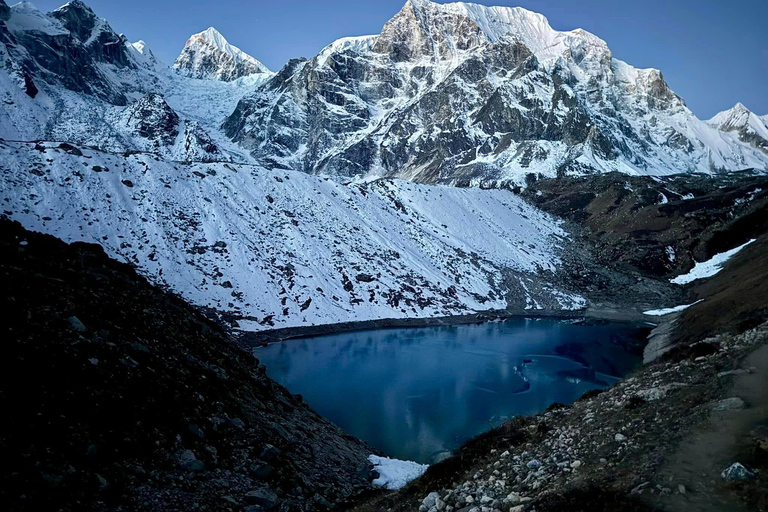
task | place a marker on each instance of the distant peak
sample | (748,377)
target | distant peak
(78,4)
(25,7)
(739,106)
(213,35)
(76,7)
(208,54)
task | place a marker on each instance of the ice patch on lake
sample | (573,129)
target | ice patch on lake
(394,473)
(668,311)
(708,268)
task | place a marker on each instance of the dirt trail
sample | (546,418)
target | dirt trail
(730,436)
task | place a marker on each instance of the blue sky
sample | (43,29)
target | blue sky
(713,53)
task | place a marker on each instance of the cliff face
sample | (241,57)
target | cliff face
(126,396)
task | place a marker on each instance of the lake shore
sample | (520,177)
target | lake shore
(260,338)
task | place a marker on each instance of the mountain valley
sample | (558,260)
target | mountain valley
(467,164)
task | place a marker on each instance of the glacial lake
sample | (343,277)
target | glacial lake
(419,393)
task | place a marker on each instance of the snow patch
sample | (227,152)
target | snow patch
(708,268)
(668,311)
(394,473)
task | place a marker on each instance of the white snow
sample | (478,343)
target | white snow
(738,118)
(289,237)
(668,311)
(708,268)
(26,17)
(210,46)
(394,473)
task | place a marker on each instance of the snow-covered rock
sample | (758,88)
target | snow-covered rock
(153,126)
(751,128)
(467,94)
(209,55)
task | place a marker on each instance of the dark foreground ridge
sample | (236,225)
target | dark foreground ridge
(124,397)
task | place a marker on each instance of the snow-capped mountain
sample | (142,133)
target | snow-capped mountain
(68,76)
(209,55)
(446,93)
(189,172)
(463,93)
(750,128)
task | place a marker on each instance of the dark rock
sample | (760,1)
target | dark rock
(77,324)
(196,431)
(70,149)
(103,483)
(262,497)
(138,347)
(259,470)
(364,278)
(189,462)
(194,466)
(269,452)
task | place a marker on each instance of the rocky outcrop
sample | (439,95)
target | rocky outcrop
(94,33)
(154,126)
(209,55)
(67,48)
(127,397)
(5,11)
(153,119)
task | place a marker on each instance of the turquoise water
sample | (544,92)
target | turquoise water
(419,393)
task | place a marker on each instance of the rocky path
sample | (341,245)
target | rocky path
(737,431)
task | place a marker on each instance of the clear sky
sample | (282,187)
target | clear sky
(713,53)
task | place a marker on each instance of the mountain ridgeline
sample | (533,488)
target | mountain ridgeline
(458,94)
(466,164)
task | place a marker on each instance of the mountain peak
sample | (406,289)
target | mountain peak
(751,128)
(739,107)
(736,116)
(208,54)
(214,37)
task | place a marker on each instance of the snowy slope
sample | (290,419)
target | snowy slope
(286,248)
(209,55)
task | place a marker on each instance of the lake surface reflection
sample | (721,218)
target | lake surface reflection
(419,393)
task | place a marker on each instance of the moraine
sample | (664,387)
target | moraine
(419,393)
